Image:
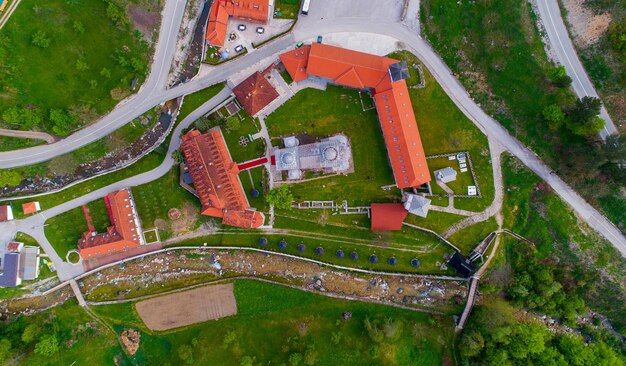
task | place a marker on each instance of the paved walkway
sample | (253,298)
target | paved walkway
(29,135)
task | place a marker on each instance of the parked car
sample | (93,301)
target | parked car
(238,48)
(319,39)
(299,44)
(260,30)
(241,27)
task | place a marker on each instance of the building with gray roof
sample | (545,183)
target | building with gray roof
(445,175)
(416,204)
(329,155)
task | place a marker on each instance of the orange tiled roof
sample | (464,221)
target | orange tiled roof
(30,207)
(124,232)
(249,10)
(214,176)
(388,216)
(255,93)
(393,103)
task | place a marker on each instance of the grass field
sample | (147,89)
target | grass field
(64,230)
(273,323)
(146,163)
(194,100)
(324,113)
(289,8)
(74,44)
(468,238)
(14,143)
(156,198)
(534,211)
(254,178)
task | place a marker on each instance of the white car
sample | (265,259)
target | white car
(238,48)
(241,27)
(260,30)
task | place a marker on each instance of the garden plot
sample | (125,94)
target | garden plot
(188,307)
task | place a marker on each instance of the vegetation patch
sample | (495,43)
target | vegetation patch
(14,143)
(89,48)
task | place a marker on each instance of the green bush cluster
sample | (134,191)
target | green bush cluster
(493,336)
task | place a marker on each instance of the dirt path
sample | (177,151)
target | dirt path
(29,135)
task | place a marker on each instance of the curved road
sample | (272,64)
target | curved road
(308,28)
(550,15)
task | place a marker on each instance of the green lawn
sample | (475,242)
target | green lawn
(436,221)
(289,8)
(459,186)
(468,238)
(274,322)
(324,113)
(257,175)
(156,198)
(64,230)
(80,48)
(194,100)
(383,252)
(14,143)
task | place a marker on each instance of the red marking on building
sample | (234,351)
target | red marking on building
(252,164)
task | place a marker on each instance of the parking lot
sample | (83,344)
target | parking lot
(250,36)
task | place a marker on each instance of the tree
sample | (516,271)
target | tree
(559,77)
(246,361)
(105,73)
(527,340)
(62,120)
(78,27)
(280,197)
(310,356)
(30,333)
(5,349)
(554,116)
(40,39)
(295,359)
(472,344)
(177,155)
(185,353)
(47,345)
(202,124)
(26,117)
(617,36)
(9,178)
(233,123)
(581,119)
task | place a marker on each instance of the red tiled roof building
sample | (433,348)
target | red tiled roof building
(255,93)
(391,95)
(255,11)
(124,232)
(30,207)
(215,178)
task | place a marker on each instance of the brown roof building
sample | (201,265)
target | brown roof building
(388,216)
(385,77)
(255,11)
(124,232)
(255,93)
(6,213)
(215,178)
(30,207)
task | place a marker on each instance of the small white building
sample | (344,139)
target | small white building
(416,204)
(445,175)
(330,155)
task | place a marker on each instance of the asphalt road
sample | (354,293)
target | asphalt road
(550,15)
(308,28)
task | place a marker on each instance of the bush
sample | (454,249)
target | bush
(40,39)
(185,353)
(554,116)
(47,346)
(559,77)
(9,178)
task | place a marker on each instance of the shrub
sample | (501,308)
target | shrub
(40,39)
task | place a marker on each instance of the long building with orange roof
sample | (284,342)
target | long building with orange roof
(215,178)
(385,78)
(124,232)
(255,11)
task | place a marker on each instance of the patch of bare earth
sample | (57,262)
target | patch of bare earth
(188,307)
(586,26)
(185,220)
(145,18)
(130,340)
